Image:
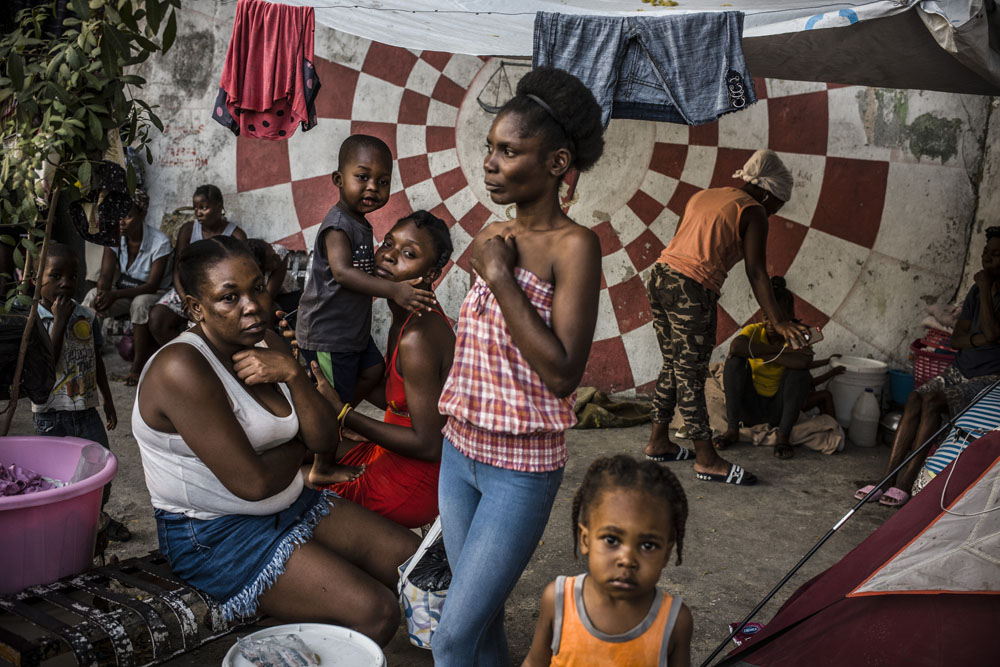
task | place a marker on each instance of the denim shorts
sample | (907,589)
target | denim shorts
(235,558)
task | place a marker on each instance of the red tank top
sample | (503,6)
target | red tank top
(398,487)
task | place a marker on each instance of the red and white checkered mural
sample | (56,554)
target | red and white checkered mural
(867,240)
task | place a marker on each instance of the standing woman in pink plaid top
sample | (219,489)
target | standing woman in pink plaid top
(524,334)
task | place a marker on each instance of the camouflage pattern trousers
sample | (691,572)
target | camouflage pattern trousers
(685,319)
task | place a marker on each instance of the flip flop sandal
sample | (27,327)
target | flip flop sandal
(861,493)
(894,497)
(682,454)
(784,452)
(737,476)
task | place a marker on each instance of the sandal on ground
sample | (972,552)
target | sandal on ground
(721,443)
(737,476)
(783,452)
(861,493)
(894,497)
(130,380)
(118,531)
(682,454)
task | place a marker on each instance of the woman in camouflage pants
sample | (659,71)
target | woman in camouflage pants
(720,227)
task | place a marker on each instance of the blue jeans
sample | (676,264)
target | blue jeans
(86,424)
(491,520)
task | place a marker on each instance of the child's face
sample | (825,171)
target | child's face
(364,181)
(206,212)
(59,279)
(787,313)
(407,253)
(627,542)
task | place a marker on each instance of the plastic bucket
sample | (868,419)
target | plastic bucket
(49,534)
(900,386)
(336,646)
(860,374)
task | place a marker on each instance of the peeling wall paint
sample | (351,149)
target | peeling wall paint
(890,184)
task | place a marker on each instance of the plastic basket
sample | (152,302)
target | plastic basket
(928,363)
(937,338)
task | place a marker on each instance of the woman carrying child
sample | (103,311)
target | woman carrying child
(401,456)
(138,270)
(224,416)
(334,326)
(524,334)
(767,382)
(720,227)
(167,318)
(627,519)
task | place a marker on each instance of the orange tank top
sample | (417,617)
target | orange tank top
(707,243)
(576,642)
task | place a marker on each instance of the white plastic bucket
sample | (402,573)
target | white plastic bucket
(861,374)
(335,645)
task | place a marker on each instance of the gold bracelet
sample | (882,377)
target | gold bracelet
(343,413)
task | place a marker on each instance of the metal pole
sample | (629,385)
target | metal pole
(841,522)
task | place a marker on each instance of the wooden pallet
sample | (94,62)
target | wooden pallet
(129,614)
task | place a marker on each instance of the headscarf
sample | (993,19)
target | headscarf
(766,170)
(140,200)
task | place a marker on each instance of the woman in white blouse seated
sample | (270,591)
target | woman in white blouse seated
(223,418)
(133,277)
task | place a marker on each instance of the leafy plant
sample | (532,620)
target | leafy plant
(59,97)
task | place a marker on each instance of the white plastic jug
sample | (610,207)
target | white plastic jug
(864,420)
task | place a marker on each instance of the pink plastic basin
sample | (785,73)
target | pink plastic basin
(49,534)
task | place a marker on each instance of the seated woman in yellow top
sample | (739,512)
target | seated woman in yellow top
(767,381)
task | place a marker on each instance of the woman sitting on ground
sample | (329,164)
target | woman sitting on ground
(768,382)
(400,478)
(223,418)
(977,366)
(167,318)
(138,270)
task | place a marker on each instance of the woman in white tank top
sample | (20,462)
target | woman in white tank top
(223,418)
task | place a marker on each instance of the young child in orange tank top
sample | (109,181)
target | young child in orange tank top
(627,518)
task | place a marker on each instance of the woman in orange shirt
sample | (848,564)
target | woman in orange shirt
(720,227)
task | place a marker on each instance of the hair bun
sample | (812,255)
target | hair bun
(778,282)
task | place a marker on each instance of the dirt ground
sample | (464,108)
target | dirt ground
(739,543)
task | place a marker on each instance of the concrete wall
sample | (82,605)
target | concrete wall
(892,189)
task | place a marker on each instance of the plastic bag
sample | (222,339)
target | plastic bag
(432,572)
(278,651)
(423,601)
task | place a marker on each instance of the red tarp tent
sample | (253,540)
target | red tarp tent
(923,589)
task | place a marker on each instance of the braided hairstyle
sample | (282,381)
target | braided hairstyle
(624,472)
(571,117)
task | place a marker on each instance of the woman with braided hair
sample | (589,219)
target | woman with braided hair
(627,518)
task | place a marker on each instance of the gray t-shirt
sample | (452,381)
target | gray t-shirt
(333,318)
(985,359)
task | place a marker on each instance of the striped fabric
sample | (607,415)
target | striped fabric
(979,420)
(500,412)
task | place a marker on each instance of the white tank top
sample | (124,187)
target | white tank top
(179,482)
(196,230)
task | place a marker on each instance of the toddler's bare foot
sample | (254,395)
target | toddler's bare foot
(325,474)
